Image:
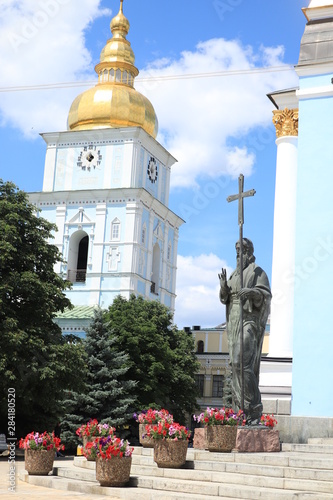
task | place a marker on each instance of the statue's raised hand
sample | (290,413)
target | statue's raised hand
(223,278)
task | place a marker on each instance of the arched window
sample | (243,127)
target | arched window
(115,230)
(155,278)
(78,257)
(200,347)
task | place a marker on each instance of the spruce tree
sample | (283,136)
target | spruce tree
(161,358)
(107,396)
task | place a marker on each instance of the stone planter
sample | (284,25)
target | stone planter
(113,472)
(221,438)
(145,441)
(86,440)
(200,438)
(262,439)
(170,453)
(39,462)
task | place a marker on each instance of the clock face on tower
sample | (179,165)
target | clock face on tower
(152,170)
(89,158)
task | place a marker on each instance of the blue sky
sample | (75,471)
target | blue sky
(217,122)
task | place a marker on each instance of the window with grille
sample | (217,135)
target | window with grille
(217,386)
(200,379)
(115,230)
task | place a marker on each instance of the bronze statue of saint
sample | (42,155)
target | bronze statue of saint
(255,298)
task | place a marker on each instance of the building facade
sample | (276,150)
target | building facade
(211,346)
(302,258)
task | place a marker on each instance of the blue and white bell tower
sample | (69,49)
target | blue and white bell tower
(106,187)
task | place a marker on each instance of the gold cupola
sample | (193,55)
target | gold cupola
(114,102)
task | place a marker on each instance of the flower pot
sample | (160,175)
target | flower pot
(221,437)
(170,453)
(39,462)
(145,441)
(86,440)
(114,471)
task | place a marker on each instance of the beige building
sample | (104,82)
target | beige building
(211,346)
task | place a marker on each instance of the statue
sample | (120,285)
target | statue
(255,297)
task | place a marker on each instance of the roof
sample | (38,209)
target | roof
(78,312)
(317,42)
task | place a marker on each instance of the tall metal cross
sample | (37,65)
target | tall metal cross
(240,197)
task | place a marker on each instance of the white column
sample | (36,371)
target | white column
(49,169)
(150,252)
(98,251)
(59,235)
(282,307)
(165,257)
(130,251)
(174,268)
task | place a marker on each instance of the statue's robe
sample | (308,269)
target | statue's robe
(255,314)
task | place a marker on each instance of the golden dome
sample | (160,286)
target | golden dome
(114,102)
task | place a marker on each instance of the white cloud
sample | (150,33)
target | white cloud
(197,300)
(199,116)
(43,42)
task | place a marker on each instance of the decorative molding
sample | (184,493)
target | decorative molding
(113,258)
(80,218)
(311,93)
(286,122)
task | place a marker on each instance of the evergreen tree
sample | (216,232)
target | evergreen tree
(107,396)
(161,358)
(35,359)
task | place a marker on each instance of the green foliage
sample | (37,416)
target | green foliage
(34,357)
(108,394)
(161,358)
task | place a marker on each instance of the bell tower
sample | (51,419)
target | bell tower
(106,187)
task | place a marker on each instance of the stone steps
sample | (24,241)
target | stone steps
(211,471)
(270,476)
(310,448)
(326,441)
(297,472)
(150,488)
